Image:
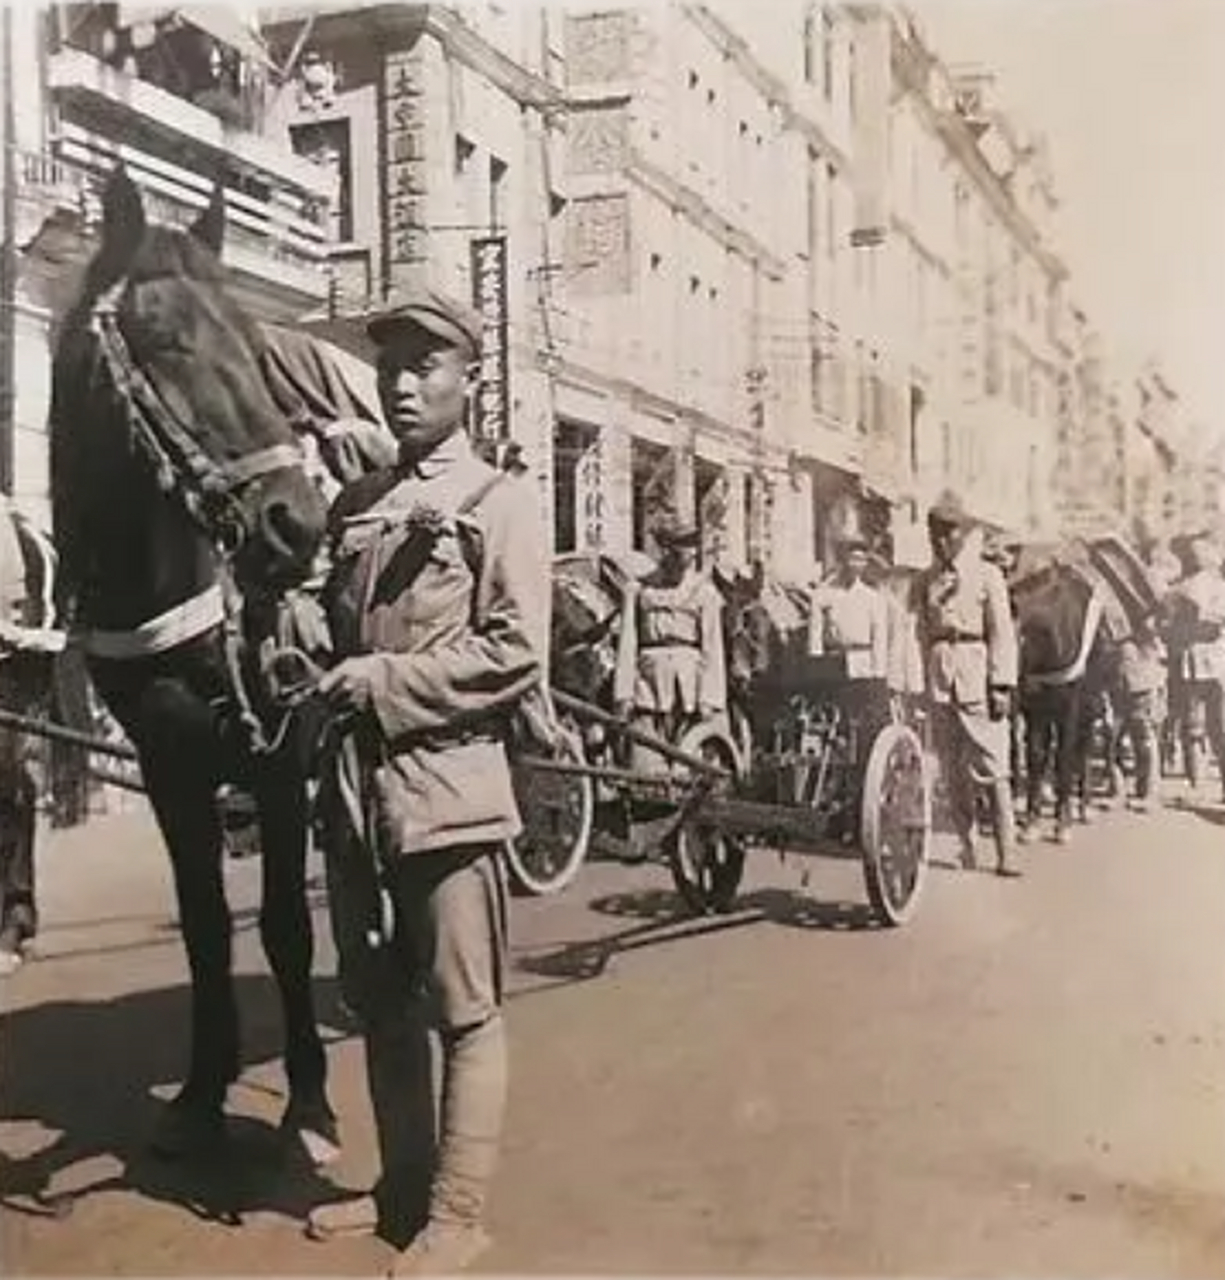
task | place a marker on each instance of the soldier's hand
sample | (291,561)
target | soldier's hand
(999,703)
(349,687)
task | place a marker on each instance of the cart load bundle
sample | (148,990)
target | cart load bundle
(312,377)
(588,591)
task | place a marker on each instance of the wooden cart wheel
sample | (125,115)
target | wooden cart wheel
(558,812)
(707,864)
(895,825)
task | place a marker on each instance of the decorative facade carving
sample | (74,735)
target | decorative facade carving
(597,140)
(597,47)
(598,245)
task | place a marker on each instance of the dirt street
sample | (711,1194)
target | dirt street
(1029,1079)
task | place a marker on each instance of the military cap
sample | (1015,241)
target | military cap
(851,542)
(432,312)
(672,531)
(949,509)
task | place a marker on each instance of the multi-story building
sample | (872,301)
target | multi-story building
(965,294)
(180,97)
(676,203)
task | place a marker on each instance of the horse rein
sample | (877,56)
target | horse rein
(209,491)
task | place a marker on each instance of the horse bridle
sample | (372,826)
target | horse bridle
(210,491)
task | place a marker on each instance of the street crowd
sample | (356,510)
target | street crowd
(438,600)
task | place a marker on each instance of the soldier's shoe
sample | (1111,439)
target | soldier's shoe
(441,1248)
(1006,864)
(967,854)
(16,935)
(355,1216)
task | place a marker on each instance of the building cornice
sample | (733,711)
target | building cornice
(665,187)
(469,47)
(395,26)
(914,65)
(771,87)
(582,376)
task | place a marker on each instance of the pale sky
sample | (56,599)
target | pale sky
(1131,95)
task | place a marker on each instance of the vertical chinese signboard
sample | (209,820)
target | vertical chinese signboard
(405,184)
(492,410)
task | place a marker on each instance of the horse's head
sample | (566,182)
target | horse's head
(180,365)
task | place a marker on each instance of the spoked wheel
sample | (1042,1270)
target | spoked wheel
(558,812)
(895,827)
(707,864)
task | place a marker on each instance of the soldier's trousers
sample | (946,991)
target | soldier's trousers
(439,1131)
(1201,712)
(972,749)
(18,807)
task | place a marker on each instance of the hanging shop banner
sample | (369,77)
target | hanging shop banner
(492,410)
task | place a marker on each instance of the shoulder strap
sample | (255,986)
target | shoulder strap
(470,545)
(478,495)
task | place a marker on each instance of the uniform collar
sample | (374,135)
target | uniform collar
(451,452)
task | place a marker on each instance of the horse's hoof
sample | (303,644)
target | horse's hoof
(315,1126)
(188,1130)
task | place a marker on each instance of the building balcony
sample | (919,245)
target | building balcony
(90,92)
(280,260)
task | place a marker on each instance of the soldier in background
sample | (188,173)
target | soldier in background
(969,645)
(27,643)
(849,616)
(671,668)
(1195,626)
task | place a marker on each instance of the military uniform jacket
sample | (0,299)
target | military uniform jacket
(670,656)
(965,630)
(852,620)
(455,610)
(1196,608)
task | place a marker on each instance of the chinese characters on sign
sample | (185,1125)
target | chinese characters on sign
(492,408)
(405,185)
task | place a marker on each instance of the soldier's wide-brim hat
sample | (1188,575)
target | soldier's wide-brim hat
(949,509)
(431,316)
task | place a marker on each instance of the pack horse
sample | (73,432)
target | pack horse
(160,393)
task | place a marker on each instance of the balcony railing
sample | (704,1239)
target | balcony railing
(205,55)
(264,238)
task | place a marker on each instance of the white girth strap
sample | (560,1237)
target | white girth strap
(1093,618)
(176,626)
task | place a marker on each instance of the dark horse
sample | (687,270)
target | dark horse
(179,495)
(1074,605)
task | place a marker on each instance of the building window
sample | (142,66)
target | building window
(831,211)
(852,88)
(827,54)
(810,47)
(328,145)
(464,153)
(497,192)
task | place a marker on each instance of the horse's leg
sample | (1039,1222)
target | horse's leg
(1069,740)
(173,732)
(1036,733)
(286,932)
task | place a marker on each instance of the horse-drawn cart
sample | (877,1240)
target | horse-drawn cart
(814,763)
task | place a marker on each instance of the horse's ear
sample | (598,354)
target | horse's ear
(123,215)
(209,227)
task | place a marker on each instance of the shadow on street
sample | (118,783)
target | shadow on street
(85,1071)
(664,920)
